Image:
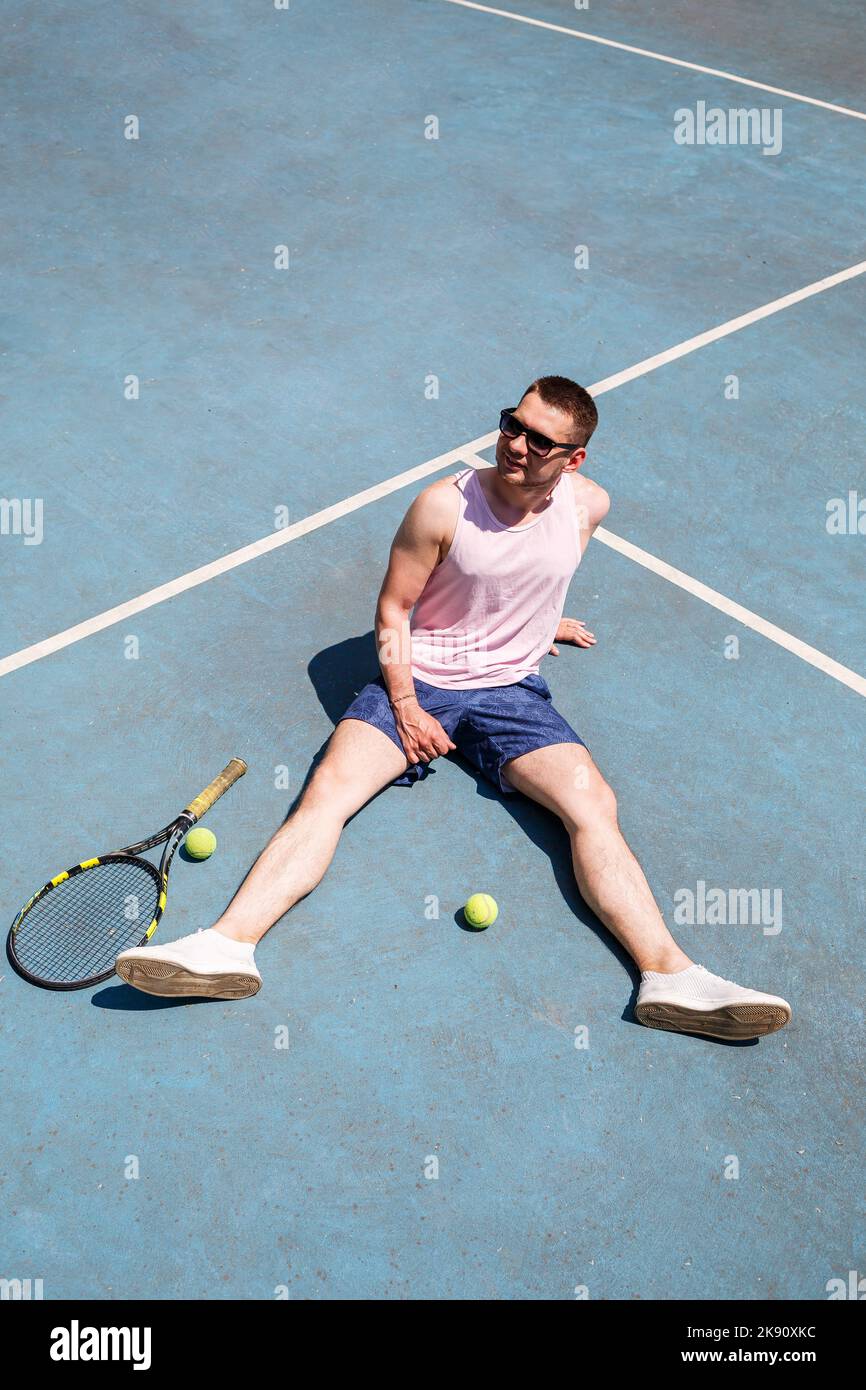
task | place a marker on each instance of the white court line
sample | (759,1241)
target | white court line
(745,616)
(712,335)
(852,679)
(661,58)
(462,453)
(193,578)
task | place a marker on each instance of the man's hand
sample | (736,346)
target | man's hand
(422,736)
(575,632)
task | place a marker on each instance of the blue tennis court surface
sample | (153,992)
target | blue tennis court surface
(281,296)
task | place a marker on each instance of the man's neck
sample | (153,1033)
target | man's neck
(524,501)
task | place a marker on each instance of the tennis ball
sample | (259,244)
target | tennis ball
(481,911)
(200,843)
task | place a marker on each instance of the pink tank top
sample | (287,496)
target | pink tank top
(489,612)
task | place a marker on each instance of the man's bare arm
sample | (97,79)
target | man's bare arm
(593,505)
(415,552)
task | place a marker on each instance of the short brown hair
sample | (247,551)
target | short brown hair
(573,400)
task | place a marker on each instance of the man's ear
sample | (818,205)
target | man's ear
(573,462)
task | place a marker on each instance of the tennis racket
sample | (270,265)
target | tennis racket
(69,934)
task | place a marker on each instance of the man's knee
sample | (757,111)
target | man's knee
(331,790)
(592,802)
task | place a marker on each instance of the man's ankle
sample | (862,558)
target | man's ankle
(668,963)
(236,934)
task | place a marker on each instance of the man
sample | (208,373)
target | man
(484,558)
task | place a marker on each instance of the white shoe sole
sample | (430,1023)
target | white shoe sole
(732,1021)
(167,978)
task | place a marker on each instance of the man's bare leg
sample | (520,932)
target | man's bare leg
(675,993)
(219,963)
(564,778)
(359,761)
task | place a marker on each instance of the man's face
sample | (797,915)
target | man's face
(516,463)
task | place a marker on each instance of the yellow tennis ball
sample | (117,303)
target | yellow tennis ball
(200,843)
(481,911)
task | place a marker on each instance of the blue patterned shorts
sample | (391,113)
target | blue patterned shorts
(489,725)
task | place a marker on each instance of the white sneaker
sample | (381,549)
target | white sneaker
(694,1001)
(206,963)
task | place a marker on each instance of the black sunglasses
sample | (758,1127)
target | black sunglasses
(511,427)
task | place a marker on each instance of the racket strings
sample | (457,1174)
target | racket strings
(74,931)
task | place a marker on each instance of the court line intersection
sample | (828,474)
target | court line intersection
(468,453)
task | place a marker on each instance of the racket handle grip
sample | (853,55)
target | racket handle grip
(214,790)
